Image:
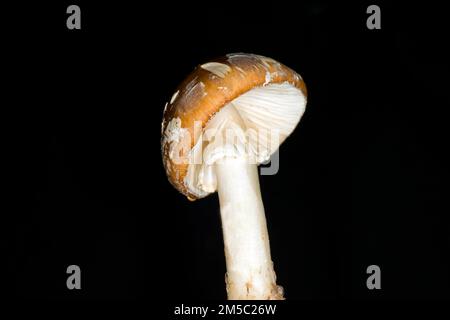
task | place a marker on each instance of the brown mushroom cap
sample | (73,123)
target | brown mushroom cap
(203,93)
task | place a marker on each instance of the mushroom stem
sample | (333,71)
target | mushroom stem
(250,274)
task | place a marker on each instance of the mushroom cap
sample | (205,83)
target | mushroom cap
(209,88)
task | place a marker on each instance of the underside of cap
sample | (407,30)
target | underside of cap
(265,93)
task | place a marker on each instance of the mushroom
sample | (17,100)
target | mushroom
(228,116)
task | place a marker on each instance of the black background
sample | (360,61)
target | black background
(363,180)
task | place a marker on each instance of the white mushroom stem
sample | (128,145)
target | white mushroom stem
(250,273)
(230,155)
